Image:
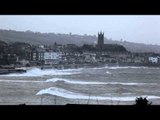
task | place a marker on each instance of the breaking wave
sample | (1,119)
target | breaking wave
(94,83)
(73,95)
(39,72)
(73,82)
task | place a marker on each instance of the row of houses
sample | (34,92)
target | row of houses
(41,56)
(58,57)
(128,57)
(70,54)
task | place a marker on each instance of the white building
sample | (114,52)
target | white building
(90,57)
(153,59)
(52,57)
(24,62)
(41,46)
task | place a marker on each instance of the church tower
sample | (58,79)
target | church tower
(100,40)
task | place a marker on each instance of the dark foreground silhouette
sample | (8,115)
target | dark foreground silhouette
(141,108)
(79,111)
(140,101)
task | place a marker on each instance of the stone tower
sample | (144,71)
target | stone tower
(100,40)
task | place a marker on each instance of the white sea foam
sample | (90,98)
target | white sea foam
(72,69)
(73,95)
(122,67)
(97,68)
(94,83)
(21,81)
(116,83)
(125,67)
(107,72)
(39,72)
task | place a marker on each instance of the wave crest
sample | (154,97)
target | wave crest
(73,95)
(94,82)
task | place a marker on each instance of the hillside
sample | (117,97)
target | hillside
(11,36)
(44,38)
(136,47)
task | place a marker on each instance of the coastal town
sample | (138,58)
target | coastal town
(19,54)
(60,62)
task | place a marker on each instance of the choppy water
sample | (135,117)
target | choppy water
(97,83)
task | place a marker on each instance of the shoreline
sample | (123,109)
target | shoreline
(75,66)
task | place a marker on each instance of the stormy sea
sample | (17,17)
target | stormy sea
(87,85)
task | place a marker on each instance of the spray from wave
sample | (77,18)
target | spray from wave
(38,72)
(73,95)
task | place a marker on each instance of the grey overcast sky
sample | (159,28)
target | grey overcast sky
(133,28)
